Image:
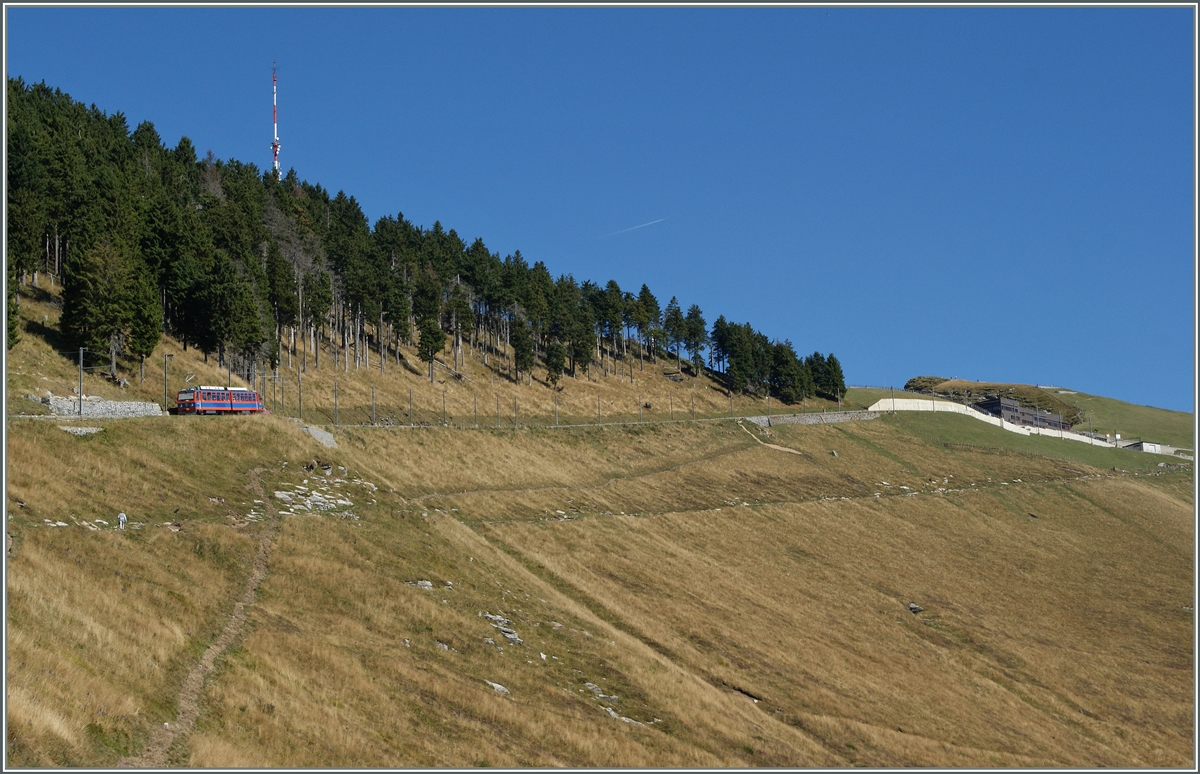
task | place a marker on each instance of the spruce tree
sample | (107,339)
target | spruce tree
(556,362)
(430,341)
(696,332)
(522,343)
(98,302)
(675,327)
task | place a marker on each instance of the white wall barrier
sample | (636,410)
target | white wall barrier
(919,404)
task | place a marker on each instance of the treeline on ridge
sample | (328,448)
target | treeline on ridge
(253,268)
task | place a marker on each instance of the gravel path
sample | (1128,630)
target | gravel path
(155,753)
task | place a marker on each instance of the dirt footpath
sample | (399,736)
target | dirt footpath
(155,754)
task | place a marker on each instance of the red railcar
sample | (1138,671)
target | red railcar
(219,400)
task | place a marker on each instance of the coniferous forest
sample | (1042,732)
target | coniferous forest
(246,267)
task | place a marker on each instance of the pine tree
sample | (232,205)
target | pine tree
(696,333)
(14,320)
(430,341)
(836,382)
(556,361)
(522,343)
(98,302)
(676,328)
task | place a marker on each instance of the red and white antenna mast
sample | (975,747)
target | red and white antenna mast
(275,120)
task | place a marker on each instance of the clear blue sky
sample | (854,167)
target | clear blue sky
(993,194)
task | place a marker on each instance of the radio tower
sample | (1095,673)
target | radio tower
(275,120)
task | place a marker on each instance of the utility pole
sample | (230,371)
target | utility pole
(335,404)
(373,404)
(300,389)
(556,409)
(81,382)
(165,356)
(410,421)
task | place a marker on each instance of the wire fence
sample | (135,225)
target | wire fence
(489,410)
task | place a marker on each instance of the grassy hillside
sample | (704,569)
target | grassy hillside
(688,570)
(40,361)
(1103,415)
(685,594)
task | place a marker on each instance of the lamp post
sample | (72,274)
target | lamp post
(167,356)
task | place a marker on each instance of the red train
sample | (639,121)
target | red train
(219,400)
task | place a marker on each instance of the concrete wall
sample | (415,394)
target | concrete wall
(916,404)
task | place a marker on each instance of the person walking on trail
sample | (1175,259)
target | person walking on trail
(121,519)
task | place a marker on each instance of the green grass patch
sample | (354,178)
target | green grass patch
(959,429)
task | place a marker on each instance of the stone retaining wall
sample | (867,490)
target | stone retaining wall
(828,417)
(95,407)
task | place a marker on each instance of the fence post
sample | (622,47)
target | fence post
(444,423)
(410,419)
(639,409)
(300,390)
(373,399)
(556,409)
(597,409)
(515,424)
(475,395)
(335,404)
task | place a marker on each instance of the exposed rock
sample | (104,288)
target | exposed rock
(914,608)
(322,437)
(80,430)
(498,688)
(424,584)
(599,693)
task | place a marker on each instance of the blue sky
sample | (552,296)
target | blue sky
(986,193)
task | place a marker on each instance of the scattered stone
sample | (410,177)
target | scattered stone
(424,584)
(443,645)
(1034,515)
(621,718)
(80,430)
(599,693)
(834,453)
(914,608)
(498,688)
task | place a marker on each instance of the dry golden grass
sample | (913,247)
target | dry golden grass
(685,568)
(40,365)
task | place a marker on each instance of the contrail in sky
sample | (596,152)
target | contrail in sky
(634,228)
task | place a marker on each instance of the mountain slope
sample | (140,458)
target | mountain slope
(685,569)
